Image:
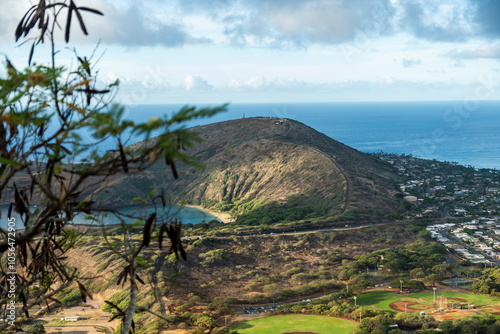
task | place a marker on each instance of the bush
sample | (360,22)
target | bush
(251,287)
(211,257)
(121,299)
(184,307)
(35,329)
(258,299)
(69,297)
(414,285)
(221,305)
(204,321)
(293,271)
(302,277)
(187,316)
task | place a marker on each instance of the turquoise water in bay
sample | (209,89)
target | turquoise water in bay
(184,214)
(187,215)
(446,131)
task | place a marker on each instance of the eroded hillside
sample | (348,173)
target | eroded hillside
(250,163)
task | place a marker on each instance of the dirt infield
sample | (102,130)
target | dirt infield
(450,315)
(494,309)
(411,306)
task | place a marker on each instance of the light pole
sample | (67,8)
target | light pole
(355,300)
(434,294)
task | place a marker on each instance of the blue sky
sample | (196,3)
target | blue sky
(199,51)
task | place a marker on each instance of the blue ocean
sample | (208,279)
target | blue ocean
(448,131)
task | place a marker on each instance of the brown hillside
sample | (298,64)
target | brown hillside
(255,161)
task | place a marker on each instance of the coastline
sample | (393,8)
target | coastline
(226,218)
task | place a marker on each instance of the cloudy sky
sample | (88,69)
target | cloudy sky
(195,51)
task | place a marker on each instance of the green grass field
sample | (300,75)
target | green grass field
(296,323)
(382,299)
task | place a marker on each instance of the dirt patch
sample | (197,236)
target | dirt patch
(225,217)
(495,310)
(411,306)
(449,315)
(494,307)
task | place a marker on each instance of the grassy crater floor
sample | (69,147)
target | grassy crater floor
(296,323)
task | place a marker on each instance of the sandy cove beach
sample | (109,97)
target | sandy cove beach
(225,217)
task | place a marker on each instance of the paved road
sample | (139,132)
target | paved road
(347,227)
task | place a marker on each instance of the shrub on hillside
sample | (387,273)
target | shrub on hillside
(211,257)
(258,299)
(70,296)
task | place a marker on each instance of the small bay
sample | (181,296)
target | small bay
(184,214)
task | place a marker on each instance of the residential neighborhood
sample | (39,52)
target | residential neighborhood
(446,189)
(460,203)
(477,241)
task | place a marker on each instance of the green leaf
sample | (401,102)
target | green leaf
(138,199)
(141,262)
(5,161)
(151,194)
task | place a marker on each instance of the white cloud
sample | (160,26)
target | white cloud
(285,24)
(196,83)
(261,83)
(126,23)
(275,24)
(256,82)
(486,50)
(9,18)
(234,84)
